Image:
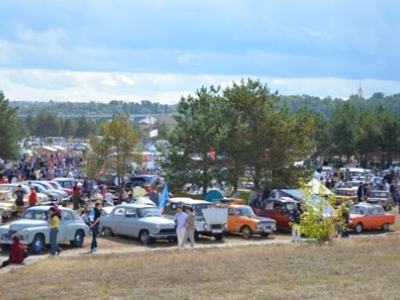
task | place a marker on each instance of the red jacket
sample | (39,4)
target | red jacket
(32,197)
(16,253)
(77,190)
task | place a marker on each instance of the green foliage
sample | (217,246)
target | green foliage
(313,223)
(10,129)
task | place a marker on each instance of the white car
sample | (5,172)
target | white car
(34,230)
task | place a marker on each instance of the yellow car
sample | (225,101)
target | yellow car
(7,200)
(344,194)
(241,219)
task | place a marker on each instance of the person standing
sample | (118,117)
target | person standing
(32,197)
(17,252)
(94,219)
(76,196)
(54,223)
(19,194)
(189,228)
(180,219)
(295,220)
(108,197)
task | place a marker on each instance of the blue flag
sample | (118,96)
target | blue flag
(164,198)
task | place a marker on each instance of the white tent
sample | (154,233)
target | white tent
(318,188)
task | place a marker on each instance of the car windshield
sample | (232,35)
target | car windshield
(149,212)
(357,210)
(354,183)
(198,207)
(55,185)
(243,211)
(291,206)
(378,195)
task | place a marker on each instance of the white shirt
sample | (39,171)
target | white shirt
(387,187)
(116,181)
(108,197)
(70,175)
(14,180)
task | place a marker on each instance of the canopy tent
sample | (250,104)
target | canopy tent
(213,195)
(44,150)
(319,189)
(59,148)
(138,191)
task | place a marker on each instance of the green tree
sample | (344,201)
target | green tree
(68,128)
(46,124)
(83,127)
(30,124)
(195,136)
(10,132)
(120,144)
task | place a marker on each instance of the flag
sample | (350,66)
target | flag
(164,198)
(154,133)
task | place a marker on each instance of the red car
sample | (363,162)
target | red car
(369,216)
(279,210)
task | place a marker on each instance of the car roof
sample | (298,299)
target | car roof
(345,189)
(135,206)
(281,200)
(364,204)
(47,207)
(237,205)
(187,201)
(63,179)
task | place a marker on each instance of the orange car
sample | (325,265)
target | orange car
(344,194)
(369,216)
(241,219)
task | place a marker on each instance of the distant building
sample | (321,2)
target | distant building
(360,91)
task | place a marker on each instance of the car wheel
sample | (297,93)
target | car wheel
(78,239)
(246,232)
(265,234)
(385,227)
(359,228)
(37,244)
(5,247)
(219,237)
(107,232)
(145,237)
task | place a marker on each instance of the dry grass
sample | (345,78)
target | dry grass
(358,268)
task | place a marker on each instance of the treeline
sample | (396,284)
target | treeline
(293,103)
(114,107)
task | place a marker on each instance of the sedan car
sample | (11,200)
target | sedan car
(369,216)
(344,194)
(279,210)
(139,221)
(382,198)
(34,230)
(241,219)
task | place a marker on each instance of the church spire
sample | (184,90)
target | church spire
(360,91)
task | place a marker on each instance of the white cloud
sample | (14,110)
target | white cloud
(43,85)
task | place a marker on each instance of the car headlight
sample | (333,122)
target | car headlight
(205,226)
(225,225)
(26,232)
(258,226)
(158,226)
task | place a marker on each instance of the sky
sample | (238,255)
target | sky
(161,50)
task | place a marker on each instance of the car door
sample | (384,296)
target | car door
(232,220)
(268,211)
(65,222)
(129,225)
(369,218)
(281,215)
(116,220)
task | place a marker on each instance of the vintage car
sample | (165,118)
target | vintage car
(279,210)
(344,194)
(34,230)
(382,198)
(139,221)
(241,219)
(210,220)
(7,199)
(369,216)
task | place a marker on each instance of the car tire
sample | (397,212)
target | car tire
(385,227)
(5,247)
(107,232)
(144,237)
(246,232)
(37,244)
(78,240)
(219,237)
(358,228)
(265,234)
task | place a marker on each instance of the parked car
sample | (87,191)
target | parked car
(369,216)
(57,186)
(382,198)
(139,221)
(7,200)
(11,187)
(66,183)
(142,180)
(34,230)
(51,196)
(344,194)
(62,195)
(241,219)
(279,210)
(210,220)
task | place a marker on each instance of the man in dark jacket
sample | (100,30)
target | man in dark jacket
(295,219)
(360,191)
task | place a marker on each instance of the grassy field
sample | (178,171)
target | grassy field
(356,268)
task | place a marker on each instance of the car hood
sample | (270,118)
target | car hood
(157,220)
(261,219)
(22,224)
(215,215)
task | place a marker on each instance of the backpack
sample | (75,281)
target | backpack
(92,214)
